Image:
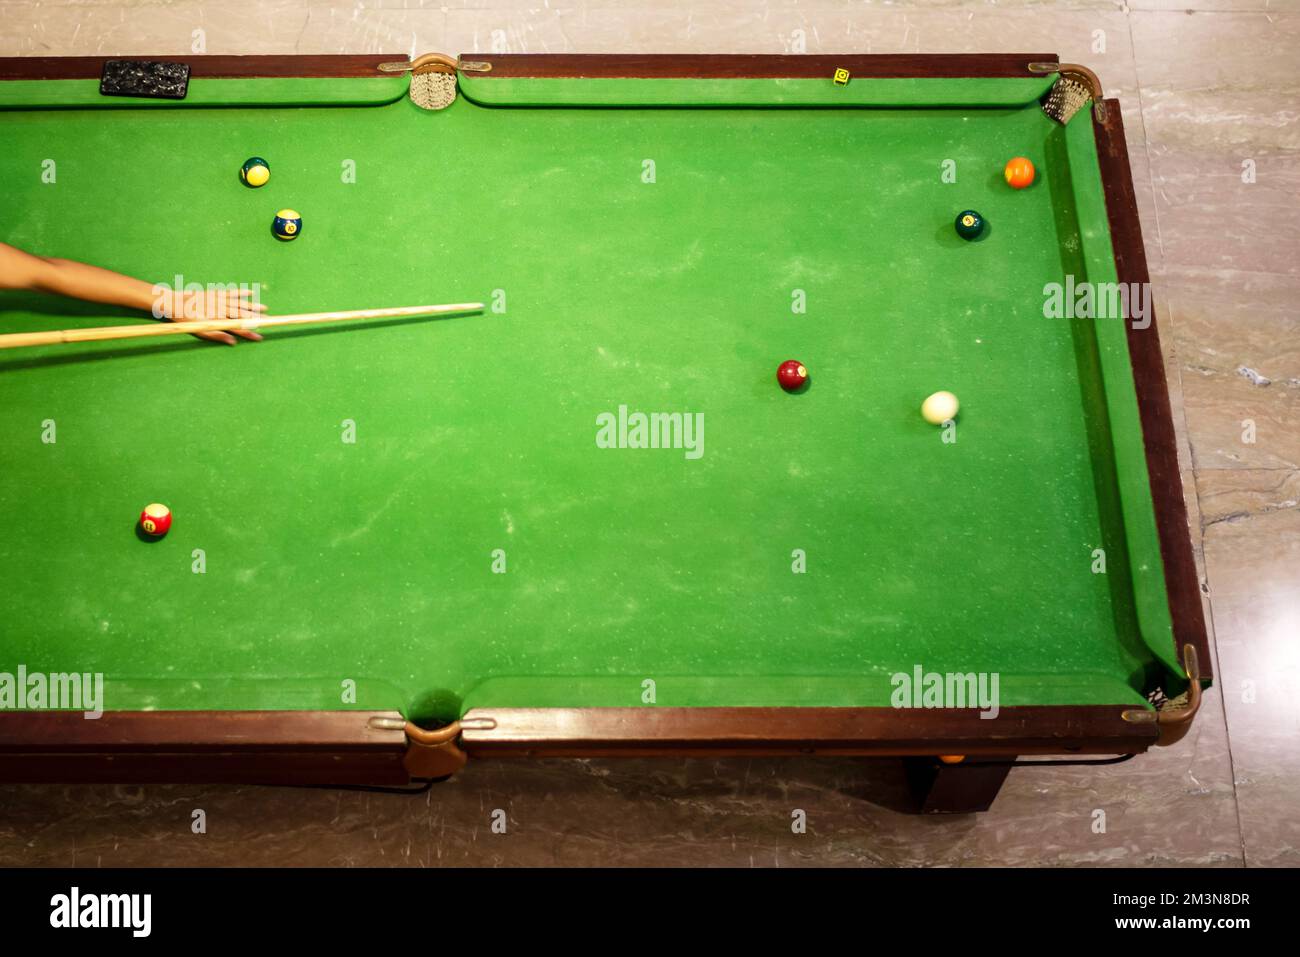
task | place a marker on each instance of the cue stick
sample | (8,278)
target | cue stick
(16,340)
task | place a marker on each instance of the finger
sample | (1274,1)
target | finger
(235,304)
(250,335)
(244,301)
(222,337)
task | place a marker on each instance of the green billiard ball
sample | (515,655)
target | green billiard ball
(969,224)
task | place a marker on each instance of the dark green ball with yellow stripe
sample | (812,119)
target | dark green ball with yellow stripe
(255,172)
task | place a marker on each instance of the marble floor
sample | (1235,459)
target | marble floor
(1209,89)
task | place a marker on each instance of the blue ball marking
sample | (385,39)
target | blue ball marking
(287,224)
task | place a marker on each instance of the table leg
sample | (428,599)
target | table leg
(961,788)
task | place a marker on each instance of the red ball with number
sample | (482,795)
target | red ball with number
(791,374)
(156,520)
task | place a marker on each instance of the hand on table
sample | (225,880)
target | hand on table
(67,277)
(214,304)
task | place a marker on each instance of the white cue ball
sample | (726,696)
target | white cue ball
(939,408)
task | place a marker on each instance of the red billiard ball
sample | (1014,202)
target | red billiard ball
(791,374)
(155,520)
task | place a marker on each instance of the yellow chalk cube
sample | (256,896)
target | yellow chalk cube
(841,77)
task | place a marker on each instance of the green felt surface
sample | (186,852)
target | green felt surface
(328,562)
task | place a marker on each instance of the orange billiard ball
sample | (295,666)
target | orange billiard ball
(1019,172)
(155,520)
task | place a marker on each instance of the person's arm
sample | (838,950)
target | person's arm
(66,277)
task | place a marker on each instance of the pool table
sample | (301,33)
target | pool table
(588,521)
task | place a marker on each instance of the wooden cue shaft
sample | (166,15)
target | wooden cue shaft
(16,340)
